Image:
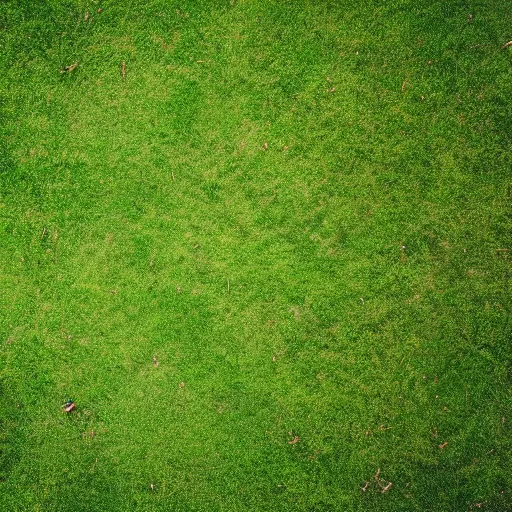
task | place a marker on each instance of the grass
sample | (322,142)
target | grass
(300,210)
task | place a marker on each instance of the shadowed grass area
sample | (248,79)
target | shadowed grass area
(270,265)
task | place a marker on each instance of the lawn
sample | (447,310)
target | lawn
(264,246)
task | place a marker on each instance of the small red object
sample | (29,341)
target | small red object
(69,406)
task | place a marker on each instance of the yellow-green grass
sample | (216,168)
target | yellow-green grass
(268,263)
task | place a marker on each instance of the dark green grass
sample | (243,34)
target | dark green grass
(302,210)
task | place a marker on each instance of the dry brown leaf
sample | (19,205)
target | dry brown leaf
(67,69)
(295,440)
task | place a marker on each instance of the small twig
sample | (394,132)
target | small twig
(506,45)
(364,489)
(443,446)
(43,233)
(172,174)
(386,489)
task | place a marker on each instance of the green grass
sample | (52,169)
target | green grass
(302,210)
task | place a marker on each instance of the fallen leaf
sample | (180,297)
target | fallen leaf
(67,69)
(295,440)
